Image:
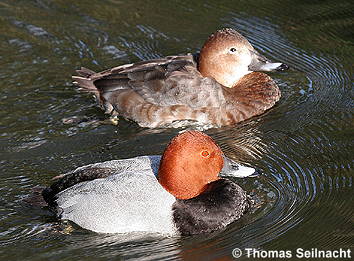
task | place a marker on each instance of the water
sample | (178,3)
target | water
(303,146)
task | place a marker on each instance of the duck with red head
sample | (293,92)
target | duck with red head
(180,193)
(219,88)
(189,163)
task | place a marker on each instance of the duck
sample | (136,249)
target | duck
(187,191)
(222,85)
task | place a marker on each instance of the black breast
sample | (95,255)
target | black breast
(222,203)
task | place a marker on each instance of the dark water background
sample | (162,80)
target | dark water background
(306,154)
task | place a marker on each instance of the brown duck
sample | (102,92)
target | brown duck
(215,88)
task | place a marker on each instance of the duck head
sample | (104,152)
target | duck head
(227,56)
(191,161)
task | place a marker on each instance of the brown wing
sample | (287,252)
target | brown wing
(181,86)
(164,82)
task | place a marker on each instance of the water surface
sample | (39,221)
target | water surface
(303,146)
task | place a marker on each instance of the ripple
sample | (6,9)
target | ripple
(32,29)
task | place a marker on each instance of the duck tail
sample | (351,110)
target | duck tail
(85,81)
(36,198)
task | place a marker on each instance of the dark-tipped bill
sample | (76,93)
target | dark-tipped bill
(261,63)
(234,169)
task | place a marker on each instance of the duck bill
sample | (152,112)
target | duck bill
(261,63)
(234,169)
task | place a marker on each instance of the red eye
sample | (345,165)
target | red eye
(205,153)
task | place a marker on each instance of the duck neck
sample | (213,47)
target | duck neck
(182,185)
(227,76)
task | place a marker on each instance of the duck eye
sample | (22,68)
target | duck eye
(205,153)
(232,50)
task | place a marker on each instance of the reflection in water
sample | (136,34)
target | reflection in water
(302,147)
